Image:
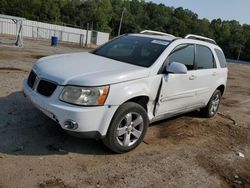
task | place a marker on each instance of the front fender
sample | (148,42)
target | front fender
(122,92)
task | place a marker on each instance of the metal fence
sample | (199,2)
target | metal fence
(40,30)
(238,62)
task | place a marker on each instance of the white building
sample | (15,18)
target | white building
(40,30)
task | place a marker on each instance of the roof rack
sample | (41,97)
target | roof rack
(198,37)
(150,32)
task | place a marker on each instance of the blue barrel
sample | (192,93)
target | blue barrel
(54,41)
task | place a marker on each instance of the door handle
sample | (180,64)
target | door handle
(214,74)
(192,77)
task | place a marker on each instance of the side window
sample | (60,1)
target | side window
(221,57)
(183,54)
(204,58)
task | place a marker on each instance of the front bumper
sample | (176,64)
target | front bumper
(92,121)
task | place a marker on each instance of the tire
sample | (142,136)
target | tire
(213,105)
(127,128)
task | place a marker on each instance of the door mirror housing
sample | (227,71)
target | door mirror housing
(176,68)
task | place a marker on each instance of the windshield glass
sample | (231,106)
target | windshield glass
(136,50)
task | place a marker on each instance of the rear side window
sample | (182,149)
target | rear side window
(221,57)
(183,54)
(204,58)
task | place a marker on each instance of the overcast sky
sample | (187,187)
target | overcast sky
(225,9)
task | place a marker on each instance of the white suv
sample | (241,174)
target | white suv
(117,90)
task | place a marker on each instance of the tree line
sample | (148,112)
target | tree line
(104,15)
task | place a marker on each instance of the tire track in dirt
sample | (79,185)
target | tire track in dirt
(12,69)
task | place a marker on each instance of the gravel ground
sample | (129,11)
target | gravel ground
(185,151)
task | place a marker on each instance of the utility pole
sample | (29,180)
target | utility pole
(120,26)
(239,53)
(87,33)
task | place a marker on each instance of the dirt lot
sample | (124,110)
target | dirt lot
(186,151)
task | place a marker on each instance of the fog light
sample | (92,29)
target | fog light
(70,124)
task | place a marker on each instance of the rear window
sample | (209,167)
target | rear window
(204,58)
(221,57)
(136,50)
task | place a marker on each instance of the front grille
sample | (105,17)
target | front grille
(31,79)
(46,88)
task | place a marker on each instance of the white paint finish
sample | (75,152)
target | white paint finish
(206,83)
(63,111)
(86,69)
(122,92)
(179,91)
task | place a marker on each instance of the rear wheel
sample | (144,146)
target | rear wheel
(127,129)
(213,105)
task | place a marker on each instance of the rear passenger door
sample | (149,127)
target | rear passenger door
(206,73)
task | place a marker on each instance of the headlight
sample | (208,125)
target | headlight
(86,96)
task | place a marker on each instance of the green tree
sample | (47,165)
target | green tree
(3,5)
(104,15)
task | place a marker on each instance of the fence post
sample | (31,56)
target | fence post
(81,39)
(2,28)
(32,32)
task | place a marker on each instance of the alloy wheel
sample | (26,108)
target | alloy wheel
(215,104)
(129,129)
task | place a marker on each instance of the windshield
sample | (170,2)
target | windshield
(136,50)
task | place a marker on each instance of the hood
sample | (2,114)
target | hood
(86,69)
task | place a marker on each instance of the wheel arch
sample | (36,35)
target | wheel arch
(221,88)
(141,100)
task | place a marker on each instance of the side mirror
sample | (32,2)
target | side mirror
(176,68)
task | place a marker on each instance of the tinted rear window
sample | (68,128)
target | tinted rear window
(141,51)
(204,57)
(221,57)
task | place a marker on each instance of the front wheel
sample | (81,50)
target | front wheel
(127,129)
(213,105)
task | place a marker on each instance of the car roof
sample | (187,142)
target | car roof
(165,36)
